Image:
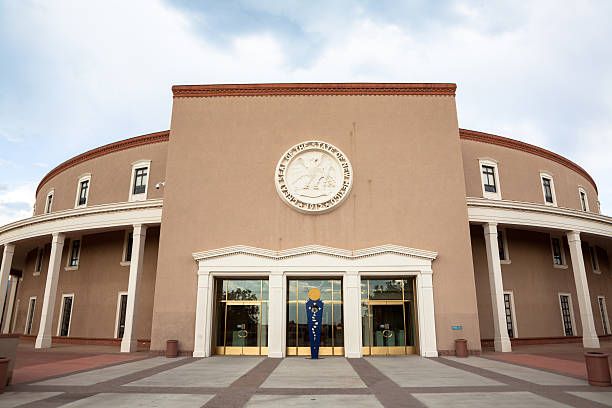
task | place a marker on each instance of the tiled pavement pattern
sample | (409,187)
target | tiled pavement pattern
(409,381)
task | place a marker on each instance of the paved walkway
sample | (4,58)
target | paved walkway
(408,381)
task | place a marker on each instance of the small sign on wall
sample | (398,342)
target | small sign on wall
(457,327)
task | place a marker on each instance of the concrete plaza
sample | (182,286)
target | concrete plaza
(407,381)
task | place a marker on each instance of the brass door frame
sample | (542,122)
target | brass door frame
(391,350)
(238,350)
(323,351)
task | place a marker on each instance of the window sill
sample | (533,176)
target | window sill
(560,266)
(550,204)
(71,268)
(597,272)
(492,196)
(125,263)
(138,197)
(505,261)
(36,274)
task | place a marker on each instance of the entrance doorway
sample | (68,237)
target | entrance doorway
(241,317)
(388,316)
(332,328)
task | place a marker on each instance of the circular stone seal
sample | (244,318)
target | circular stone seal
(313,177)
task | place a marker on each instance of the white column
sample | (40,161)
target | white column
(129,342)
(502,341)
(8,314)
(589,336)
(43,340)
(352,314)
(5,270)
(202,344)
(426,318)
(276,315)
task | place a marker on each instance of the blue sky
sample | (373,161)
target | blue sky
(76,75)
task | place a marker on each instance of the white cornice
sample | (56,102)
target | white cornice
(99,216)
(315,249)
(538,215)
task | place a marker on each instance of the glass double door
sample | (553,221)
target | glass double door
(241,316)
(332,328)
(388,317)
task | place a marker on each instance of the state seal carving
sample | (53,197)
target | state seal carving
(313,177)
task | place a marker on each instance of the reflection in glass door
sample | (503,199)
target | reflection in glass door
(332,329)
(241,317)
(388,316)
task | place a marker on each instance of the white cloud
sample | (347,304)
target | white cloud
(16,202)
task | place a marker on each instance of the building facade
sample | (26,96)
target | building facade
(416,232)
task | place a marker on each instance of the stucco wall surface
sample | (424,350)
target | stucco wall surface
(408,190)
(519,174)
(110,178)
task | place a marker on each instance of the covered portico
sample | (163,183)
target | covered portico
(574,225)
(21,237)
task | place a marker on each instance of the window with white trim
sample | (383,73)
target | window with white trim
(489,179)
(603,311)
(502,245)
(558,254)
(584,202)
(83,188)
(30,316)
(49,202)
(567,314)
(65,317)
(74,255)
(39,260)
(594,259)
(548,189)
(139,184)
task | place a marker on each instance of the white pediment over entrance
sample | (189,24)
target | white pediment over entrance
(316,256)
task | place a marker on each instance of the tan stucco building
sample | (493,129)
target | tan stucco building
(416,232)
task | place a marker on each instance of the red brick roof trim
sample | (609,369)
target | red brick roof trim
(524,147)
(150,138)
(312,89)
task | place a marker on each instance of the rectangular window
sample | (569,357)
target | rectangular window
(49,203)
(140,180)
(30,317)
(583,200)
(603,310)
(501,246)
(509,315)
(75,252)
(83,192)
(566,314)
(488,179)
(547,190)
(66,315)
(557,254)
(594,260)
(39,260)
(121,308)
(128,247)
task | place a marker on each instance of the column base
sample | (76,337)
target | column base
(200,354)
(590,342)
(429,353)
(352,354)
(502,345)
(129,346)
(43,342)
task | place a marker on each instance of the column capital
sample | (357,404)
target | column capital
(9,248)
(57,238)
(573,236)
(139,229)
(490,227)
